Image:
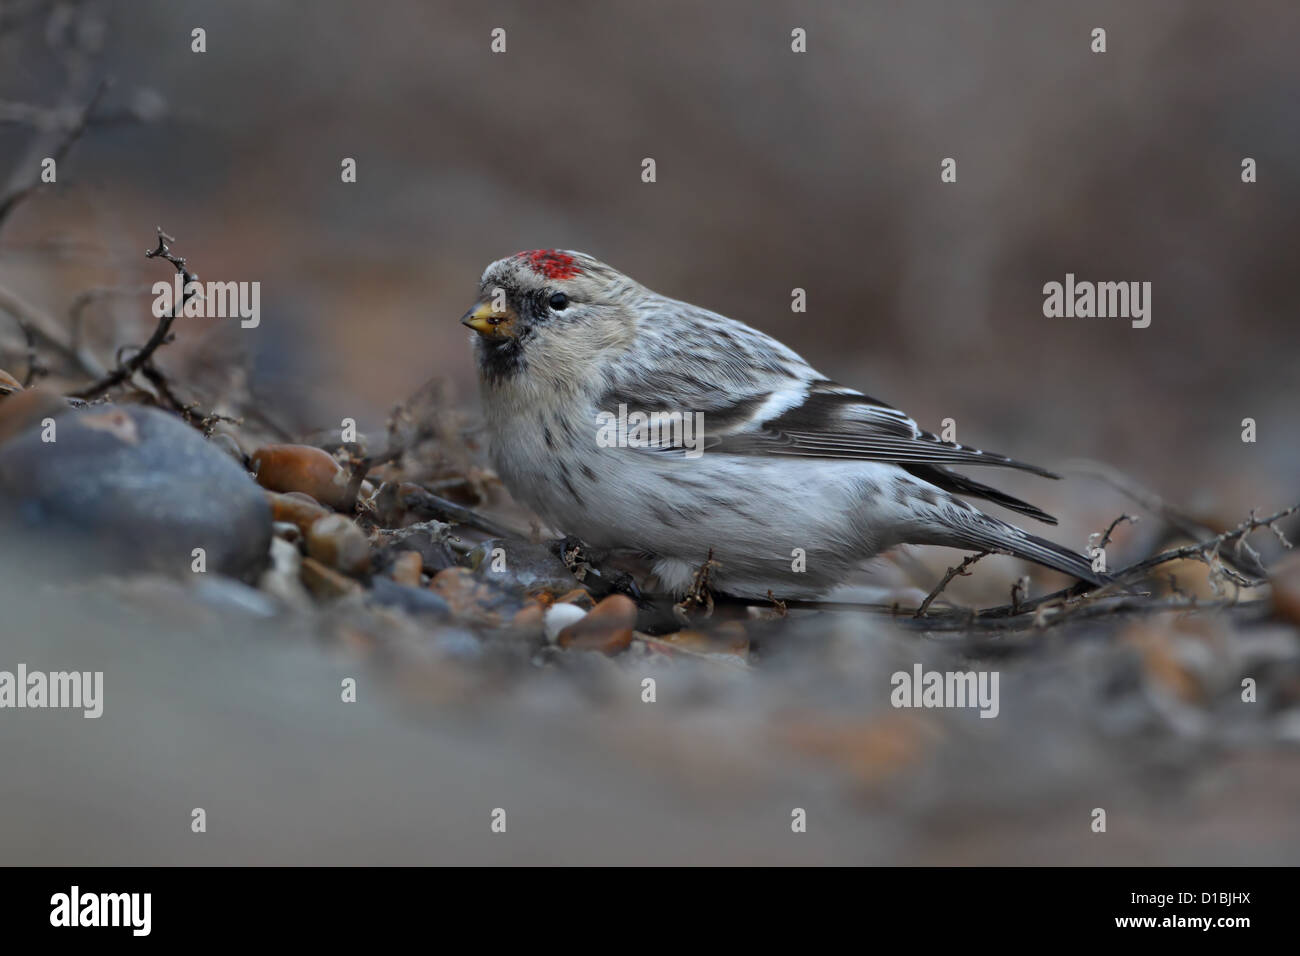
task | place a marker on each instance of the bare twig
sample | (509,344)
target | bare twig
(361,468)
(1105,537)
(1205,551)
(1113,606)
(1148,499)
(76,311)
(947,579)
(161,334)
(421,502)
(34,367)
(1175,518)
(400,441)
(700,594)
(1043,613)
(205,422)
(1208,551)
(148,107)
(48,330)
(142,359)
(1080,600)
(1019,590)
(258,413)
(16,195)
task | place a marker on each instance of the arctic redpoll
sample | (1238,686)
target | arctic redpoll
(634,421)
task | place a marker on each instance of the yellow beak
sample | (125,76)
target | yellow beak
(487,321)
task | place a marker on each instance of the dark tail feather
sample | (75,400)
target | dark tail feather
(1053,555)
(959,484)
(989,534)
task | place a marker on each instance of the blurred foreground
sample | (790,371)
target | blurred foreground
(215,698)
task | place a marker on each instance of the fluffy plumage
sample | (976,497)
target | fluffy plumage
(791,460)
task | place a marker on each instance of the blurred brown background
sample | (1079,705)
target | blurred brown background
(775,170)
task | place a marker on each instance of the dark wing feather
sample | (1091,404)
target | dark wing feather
(833,422)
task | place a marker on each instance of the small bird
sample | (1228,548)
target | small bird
(594,390)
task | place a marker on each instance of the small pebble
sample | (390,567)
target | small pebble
(302,510)
(283,579)
(530,619)
(325,582)
(607,628)
(336,541)
(228,594)
(22,410)
(469,598)
(406,568)
(287,531)
(302,468)
(560,616)
(414,601)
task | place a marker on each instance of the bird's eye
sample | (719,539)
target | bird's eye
(559,301)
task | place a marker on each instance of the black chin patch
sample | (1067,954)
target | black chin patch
(500,360)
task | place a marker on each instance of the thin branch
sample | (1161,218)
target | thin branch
(1080,600)
(959,619)
(1112,606)
(1176,518)
(960,569)
(205,422)
(397,447)
(420,502)
(361,468)
(161,334)
(77,310)
(1207,551)
(1019,590)
(147,108)
(1105,538)
(10,202)
(1140,494)
(34,367)
(257,412)
(48,330)
(700,594)
(592,574)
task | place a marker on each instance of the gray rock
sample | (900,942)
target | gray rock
(429,538)
(415,601)
(129,487)
(527,566)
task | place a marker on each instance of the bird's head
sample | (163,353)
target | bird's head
(559,306)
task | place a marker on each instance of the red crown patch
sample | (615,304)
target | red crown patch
(551,263)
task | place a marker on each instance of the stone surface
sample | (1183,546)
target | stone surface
(134,488)
(607,628)
(412,600)
(288,468)
(534,568)
(337,542)
(20,411)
